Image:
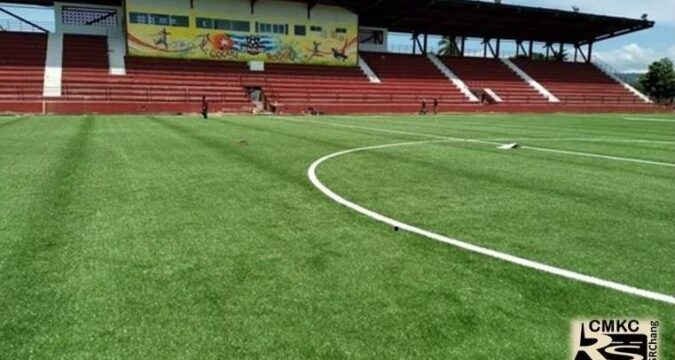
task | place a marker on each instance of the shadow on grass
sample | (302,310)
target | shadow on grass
(33,276)
(9,123)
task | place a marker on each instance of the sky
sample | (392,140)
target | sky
(633,52)
(629,53)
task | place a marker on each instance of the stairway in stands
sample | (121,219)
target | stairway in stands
(411,78)
(151,80)
(338,89)
(482,73)
(578,83)
(22,65)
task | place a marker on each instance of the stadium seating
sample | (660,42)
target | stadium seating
(166,85)
(482,73)
(578,83)
(22,64)
(86,77)
(298,87)
(412,78)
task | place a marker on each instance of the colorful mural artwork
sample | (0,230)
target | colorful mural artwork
(187,35)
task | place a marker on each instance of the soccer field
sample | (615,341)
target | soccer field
(174,237)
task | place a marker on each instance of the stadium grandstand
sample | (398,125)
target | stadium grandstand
(115,56)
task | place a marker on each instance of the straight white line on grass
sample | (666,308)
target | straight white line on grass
(590,140)
(648,119)
(311,173)
(533,148)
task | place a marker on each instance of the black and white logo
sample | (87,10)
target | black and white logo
(624,339)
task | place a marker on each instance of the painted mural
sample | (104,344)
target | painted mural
(191,35)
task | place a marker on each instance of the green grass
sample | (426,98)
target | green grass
(168,237)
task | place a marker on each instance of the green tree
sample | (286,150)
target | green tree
(535,56)
(659,81)
(563,56)
(447,46)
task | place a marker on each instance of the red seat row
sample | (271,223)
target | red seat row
(406,80)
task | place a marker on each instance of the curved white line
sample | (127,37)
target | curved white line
(311,173)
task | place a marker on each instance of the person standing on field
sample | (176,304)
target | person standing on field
(205,108)
(423,110)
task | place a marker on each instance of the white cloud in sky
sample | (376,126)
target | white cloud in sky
(659,10)
(632,57)
(654,45)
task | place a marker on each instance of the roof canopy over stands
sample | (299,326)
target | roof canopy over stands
(470,19)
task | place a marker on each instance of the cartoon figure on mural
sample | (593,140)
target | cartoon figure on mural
(315,51)
(341,54)
(162,38)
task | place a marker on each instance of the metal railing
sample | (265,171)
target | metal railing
(106,93)
(15,25)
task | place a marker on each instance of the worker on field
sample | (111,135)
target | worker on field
(435,108)
(205,108)
(423,109)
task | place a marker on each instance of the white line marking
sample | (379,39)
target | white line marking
(590,140)
(311,173)
(533,148)
(608,157)
(648,119)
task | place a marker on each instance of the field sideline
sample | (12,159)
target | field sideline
(174,237)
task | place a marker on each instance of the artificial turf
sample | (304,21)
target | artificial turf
(174,237)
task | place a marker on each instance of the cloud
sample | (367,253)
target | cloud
(631,58)
(662,11)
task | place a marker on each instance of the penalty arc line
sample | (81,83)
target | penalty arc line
(311,173)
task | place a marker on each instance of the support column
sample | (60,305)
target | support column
(576,52)
(414,40)
(426,43)
(590,53)
(518,42)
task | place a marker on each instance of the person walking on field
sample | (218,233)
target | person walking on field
(205,108)
(435,106)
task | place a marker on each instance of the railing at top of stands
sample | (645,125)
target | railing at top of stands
(20,25)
